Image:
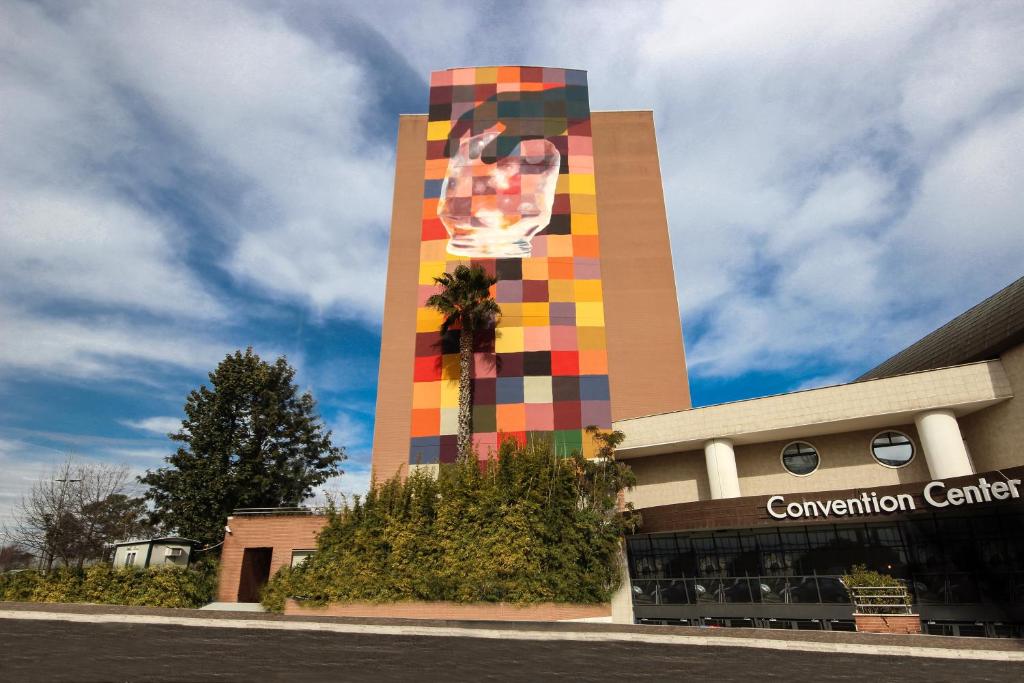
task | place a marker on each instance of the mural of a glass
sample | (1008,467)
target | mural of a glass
(509,185)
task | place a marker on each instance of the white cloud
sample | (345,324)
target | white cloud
(268,106)
(822,165)
(59,245)
(100,347)
(157,425)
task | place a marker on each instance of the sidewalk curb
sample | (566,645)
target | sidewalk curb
(502,634)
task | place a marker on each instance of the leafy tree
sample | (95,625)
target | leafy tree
(72,515)
(466,303)
(250,439)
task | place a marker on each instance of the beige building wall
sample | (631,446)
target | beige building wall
(393,414)
(638,282)
(995,435)
(668,479)
(846,462)
(646,363)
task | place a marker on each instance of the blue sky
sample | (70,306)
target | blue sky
(179,180)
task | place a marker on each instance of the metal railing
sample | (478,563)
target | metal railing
(814,589)
(280,511)
(881,599)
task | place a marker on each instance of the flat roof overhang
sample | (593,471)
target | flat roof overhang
(871,404)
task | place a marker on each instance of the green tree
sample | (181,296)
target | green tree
(250,439)
(466,303)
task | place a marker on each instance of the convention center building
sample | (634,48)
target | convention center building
(751,511)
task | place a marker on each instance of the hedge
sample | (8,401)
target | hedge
(102,584)
(529,526)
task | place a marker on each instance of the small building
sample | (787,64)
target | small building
(155,552)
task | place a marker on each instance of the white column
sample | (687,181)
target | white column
(721,462)
(943,445)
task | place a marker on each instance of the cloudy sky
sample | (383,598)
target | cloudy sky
(181,179)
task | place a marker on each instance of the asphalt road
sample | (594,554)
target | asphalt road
(64,651)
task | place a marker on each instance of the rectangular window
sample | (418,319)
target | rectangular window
(129,558)
(300,556)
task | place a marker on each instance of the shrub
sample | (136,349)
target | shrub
(103,584)
(869,601)
(528,526)
(19,586)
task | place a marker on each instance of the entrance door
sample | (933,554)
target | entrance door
(255,573)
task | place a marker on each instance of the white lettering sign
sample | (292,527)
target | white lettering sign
(935,493)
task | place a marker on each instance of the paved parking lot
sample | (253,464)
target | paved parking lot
(67,651)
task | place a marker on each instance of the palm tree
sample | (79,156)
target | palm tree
(466,303)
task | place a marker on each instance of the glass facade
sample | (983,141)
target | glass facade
(945,558)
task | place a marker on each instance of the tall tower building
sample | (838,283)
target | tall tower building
(511,170)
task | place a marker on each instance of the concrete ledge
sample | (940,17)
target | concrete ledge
(936,647)
(546,611)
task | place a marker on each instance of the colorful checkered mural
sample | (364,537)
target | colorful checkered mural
(509,185)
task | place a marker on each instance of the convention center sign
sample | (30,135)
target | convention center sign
(935,494)
(509,184)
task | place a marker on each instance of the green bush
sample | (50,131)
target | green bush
(860,577)
(527,527)
(103,584)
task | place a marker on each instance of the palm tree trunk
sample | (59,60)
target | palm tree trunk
(465,440)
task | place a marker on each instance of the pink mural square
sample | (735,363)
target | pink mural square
(484,365)
(537,338)
(485,443)
(580,145)
(423,293)
(540,417)
(463,76)
(583,165)
(563,338)
(587,268)
(440,78)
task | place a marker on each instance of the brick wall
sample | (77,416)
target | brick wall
(888,623)
(547,611)
(283,533)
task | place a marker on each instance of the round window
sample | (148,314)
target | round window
(892,449)
(800,458)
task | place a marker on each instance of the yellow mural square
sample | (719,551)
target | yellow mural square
(589,313)
(487,74)
(561,290)
(536,314)
(426,394)
(581,183)
(583,203)
(587,290)
(450,367)
(429,270)
(509,340)
(511,315)
(428,320)
(450,392)
(584,224)
(590,338)
(438,130)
